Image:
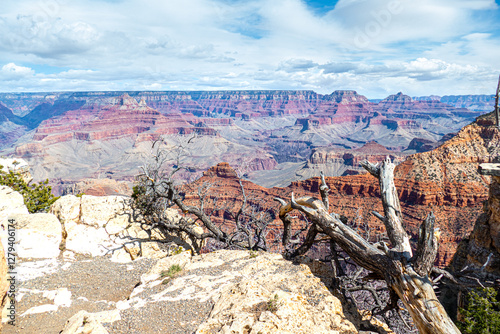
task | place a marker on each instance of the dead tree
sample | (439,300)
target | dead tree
(405,273)
(156,191)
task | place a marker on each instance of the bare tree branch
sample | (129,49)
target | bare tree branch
(412,285)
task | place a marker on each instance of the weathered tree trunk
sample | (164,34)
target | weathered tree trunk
(407,275)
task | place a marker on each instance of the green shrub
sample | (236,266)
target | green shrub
(272,304)
(482,313)
(38,197)
(174,269)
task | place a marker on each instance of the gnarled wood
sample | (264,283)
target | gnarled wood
(390,201)
(405,275)
(425,255)
(418,296)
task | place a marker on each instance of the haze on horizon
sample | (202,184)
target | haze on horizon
(376,47)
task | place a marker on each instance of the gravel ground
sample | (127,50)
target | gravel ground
(98,284)
(95,284)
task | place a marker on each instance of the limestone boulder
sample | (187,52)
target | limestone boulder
(67,209)
(11,203)
(89,241)
(106,210)
(96,226)
(38,235)
(84,322)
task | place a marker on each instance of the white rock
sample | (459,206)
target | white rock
(87,240)
(83,323)
(39,235)
(11,203)
(41,309)
(97,226)
(99,211)
(66,209)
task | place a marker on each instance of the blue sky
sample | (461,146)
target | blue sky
(377,47)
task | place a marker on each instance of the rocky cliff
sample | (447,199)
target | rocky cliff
(96,135)
(480,251)
(484,103)
(444,181)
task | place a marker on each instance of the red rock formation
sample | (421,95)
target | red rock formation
(221,170)
(371,151)
(444,181)
(120,117)
(481,250)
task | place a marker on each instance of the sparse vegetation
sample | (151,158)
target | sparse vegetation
(178,250)
(38,197)
(253,254)
(172,271)
(482,313)
(272,304)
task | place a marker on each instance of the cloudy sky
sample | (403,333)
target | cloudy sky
(377,47)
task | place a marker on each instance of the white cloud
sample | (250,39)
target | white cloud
(369,45)
(11,71)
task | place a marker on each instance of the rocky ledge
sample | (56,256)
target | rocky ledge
(219,292)
(88,266)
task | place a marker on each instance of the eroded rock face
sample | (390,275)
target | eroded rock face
(94,187)
(11,204)
(444,181)
(481,250)
(104,134)
(274,297)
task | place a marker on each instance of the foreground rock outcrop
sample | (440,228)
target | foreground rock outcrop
(85,226)
(219,292)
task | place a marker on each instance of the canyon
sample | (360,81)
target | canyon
(271,137)
(278,141)
(444,181)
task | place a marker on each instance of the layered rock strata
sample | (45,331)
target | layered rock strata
(444,181)
(481,250)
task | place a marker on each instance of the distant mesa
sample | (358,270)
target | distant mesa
(373,147)
(222,170)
